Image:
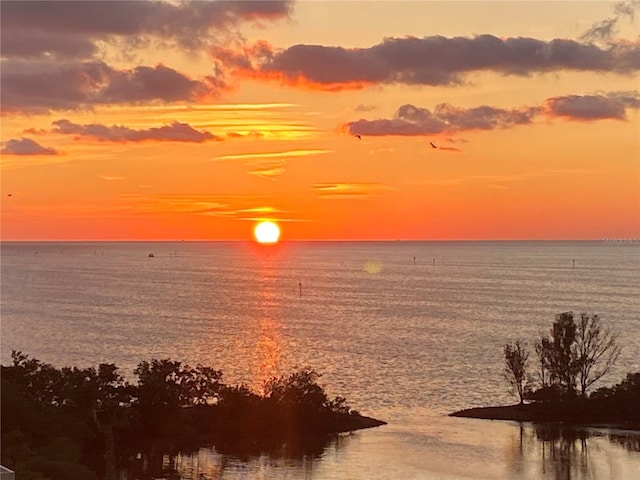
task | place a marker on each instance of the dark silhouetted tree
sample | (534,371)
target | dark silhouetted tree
(165,386)
(564,355)
(300,389)
(576,355)
(542,353)
(597,350)
(515,368)
(558,355)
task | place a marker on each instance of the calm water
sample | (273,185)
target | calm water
(405,342)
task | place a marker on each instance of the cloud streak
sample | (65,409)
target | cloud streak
(434,60)
(268,169)
(26,146)
(241,207)
(174,132)
(450,149)
(284,154)
(410,120)
(339,191)
(111,178)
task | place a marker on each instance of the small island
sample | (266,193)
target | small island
(569,361)
(89,423)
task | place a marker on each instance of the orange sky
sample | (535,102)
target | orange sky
(194,120)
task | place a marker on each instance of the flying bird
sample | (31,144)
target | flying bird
(433,145)
(358,136)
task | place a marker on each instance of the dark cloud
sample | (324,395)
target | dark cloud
(26,43)
(593,107)
(175,132)
(483,117)
(69,28)
(42,86)
(51,49)
(155,83)
(446,119)
(434,60)
(411,120)
(26,146)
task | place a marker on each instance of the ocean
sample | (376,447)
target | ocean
(406,331)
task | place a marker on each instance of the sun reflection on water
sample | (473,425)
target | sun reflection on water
(266,352)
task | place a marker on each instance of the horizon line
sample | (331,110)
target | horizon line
(620,240)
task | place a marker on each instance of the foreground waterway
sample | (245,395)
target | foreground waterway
(404,342)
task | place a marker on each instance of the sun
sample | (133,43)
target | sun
(267,232)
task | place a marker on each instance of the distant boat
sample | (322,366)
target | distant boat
(151,255)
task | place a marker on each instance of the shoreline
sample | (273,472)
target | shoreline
(540,413)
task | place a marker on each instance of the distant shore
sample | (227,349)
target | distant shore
(575,414)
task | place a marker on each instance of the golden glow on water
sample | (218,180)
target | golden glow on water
(373,267)
(267,350)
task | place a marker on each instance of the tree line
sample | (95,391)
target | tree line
(88,423)
(577,352)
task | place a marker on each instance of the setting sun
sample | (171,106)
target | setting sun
(267,232)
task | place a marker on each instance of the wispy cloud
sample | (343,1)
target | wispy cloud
(251,134)
(174,132)
(241,207)
(450,149)
(604,30)
(169,203)
(26,146)
(111,178)
(233,107)
(283,154)
(267,169)
(201,107)
(350,190)
(253,213)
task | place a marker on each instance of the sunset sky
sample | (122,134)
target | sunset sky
(170,120)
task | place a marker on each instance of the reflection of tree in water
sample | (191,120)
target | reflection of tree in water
(630,442)
(298,459)
(558,452)
(565,454)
